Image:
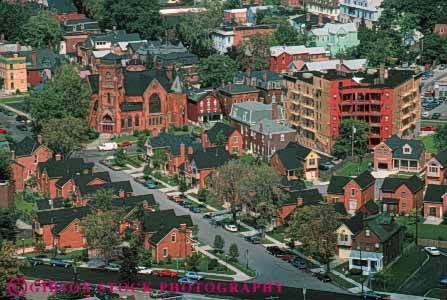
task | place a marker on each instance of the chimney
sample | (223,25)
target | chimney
(39,139)
(308,16)
(190,150)
(182,150)
(13,154)
(183,227)
(121,193)
(264,75)
(274,111)
(58,156)
(299,201)
(320,19)
(19,48)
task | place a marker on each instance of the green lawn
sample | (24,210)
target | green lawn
(18,98)
(440,293)
(25,242)
(277,234)
(430,144)
(237,264)
(425,231)
(23,205)
(353,168)
(403,174)
(341,282)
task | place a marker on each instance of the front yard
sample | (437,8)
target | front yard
(430,144)
(354,168)
(425,231)
(249,271)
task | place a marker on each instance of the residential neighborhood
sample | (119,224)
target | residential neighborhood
(225,149)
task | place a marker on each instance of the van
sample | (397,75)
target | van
(108,146)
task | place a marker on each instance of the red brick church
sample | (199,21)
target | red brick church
(131,98)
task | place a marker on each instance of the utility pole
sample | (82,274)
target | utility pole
(246,255)
(354,130)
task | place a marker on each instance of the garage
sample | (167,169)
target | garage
(382,165)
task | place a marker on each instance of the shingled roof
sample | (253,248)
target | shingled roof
(434,193)
(26,147)
(441,157)
(309,196)
(219,129)
(162,222)
(83,180)
(64,168)
(397,144)
(129,203)
(356,223)
(210,158)
(293,155)
(383,226)
(136,83)
(172,142)
(61,218)
(116,187)
(338,183)
(391,184)
(44,204)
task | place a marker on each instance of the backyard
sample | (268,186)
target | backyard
(425,231)
(430,144)
(354,168)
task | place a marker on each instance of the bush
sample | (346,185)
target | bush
(136,133)
(203,264)
(201,195)
(185,128)
(213,263)
(355,272)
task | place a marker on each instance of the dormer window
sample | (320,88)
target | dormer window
(407,149)
(367,232)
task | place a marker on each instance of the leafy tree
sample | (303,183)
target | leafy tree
(234,252)
(9,265)
(8,218)
(66,95)
(41,31)
(12,17)
(120,157)
(221,139)
(5,165)
(159,159)
(350,128)
(101,233)
(219,243)
(30,183)
(254,54)
(134,16)
(102,199)
(94,8)
(231,4)
(128,271)
(183,186)
(64,135)
(314,227)
(217,68)
(440,138)
(145,258)
(40,247)
(202,195)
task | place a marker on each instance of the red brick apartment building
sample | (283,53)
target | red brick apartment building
(238,15)
(317,102)
(282,56)
(203,106)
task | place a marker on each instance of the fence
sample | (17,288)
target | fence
(432,243)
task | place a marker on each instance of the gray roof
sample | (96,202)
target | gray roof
(271,126)
(254,112)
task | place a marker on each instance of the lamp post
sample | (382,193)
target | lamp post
(23,246)
(246,255)
(226,262)
(75,270)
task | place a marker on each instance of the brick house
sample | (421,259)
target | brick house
(294,159)
(352,192)
(41,66)
(401,195)
(236,93)
(380,240)
(237,15)
(203,162)
(83,193)
(25,156)
(174,149)
(203,106)
(56,170)
(223,134)
(397,154)
(437,169)
(282,56)
(174,63)
(441,29)
(267,82)
(168,235)
(127,99)
(296,199)
(435,202)
(75,31)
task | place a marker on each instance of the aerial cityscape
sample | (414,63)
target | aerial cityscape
(223,149)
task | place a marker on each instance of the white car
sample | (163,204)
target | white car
(425,114)
(144,270)
(432,251)
(231,227)
(108,146)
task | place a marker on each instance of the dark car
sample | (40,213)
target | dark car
(185,204)
(299,264)
(254,239)
(207,216)
(374,295)
(324,277)
(195,209)
(35,261)
(59,263)
(275,251)
(436,116)
(287,257)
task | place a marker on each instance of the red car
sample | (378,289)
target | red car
(287,257)
(167,273)
(428,128)
(3,130)
(125,144)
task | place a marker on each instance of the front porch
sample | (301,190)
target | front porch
(406,165)
(369,262)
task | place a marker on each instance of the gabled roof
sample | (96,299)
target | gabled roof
(136,83)
(116,187)
(371,208)
(383,226)
(161,222)
(434,193)
(391,184)
(365,179)
(219,129)
(44,204)
(310,197)
(210,158)
(294,185)
(397,144)
(26,147)
(64,168)
(334,29)
(355,224)
(293,155)
(61,218)
(172,142)
(196,95)
(441,157)
(129,203)
(337,184)
(84,179)
(177,58)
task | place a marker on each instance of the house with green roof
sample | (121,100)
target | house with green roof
(402,195)
(435,203)
(398,154)
(436,169)
(223,134)
(353,192)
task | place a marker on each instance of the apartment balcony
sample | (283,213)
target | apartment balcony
(295,123)
(308,106)
(294,112)
(305,127)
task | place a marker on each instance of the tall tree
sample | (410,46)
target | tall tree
(94,8)
(232,4)
(233,252)
(141,16)
(66,95)
(217,68)
(41,31)
(9,266)
(102,199)
(253,54)
(5,165)
(8,218)
(285,35)
(219,243)
(64,135)
(128,270)
(101,233)
(314,227)
(440,138)
(353,134)
(12,17)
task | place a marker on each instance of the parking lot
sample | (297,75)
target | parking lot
(8,122)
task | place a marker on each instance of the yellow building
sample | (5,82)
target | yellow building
(13,76)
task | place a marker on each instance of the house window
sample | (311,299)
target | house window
(311,162)
(76,228)
(407,150)
(352,192)
(173,237)
(281,138)
(235,140)
(129,122)
(367,233)
(357,245)
(403,195)
(137,121)
(335,200)
(165,252)
(11,66)
(433,169)
(35,159)
(109,99)
(154,104)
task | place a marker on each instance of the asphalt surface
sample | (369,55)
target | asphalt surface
(238,291)
(269,268)
(9,123)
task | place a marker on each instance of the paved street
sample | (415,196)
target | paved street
(10,123)
(269,268)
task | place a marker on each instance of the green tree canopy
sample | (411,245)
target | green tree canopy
(128,270)
(103,199)
(8,218)
(5,165)
(217,68)
(232,4)
(234,252)
(219,242)
(254,54)
(12,17)
(440,138)
(41,31)
(350,128)
(9,266)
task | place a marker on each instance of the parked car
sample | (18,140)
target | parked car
(59,263)
(299,264)
(96,263)
(425,114)
(175,196)
(428,128)
(254,239)
(167,273)
(186,280)
(435,116)
(231,227)
(150,184)
(125,144)
(195,209)
(144,270)
(9,113)
(185,203)
(193,276)
(374,295)
(157,294)
(322,276)
(443,281)
(112,267)
(34,261)
(207,216)
(3,130)
(287,257)
(326,166)
(108,146)
(275,251)
(432,251)
(442,67)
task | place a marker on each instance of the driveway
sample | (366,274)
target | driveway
(427,277)
(269,268)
